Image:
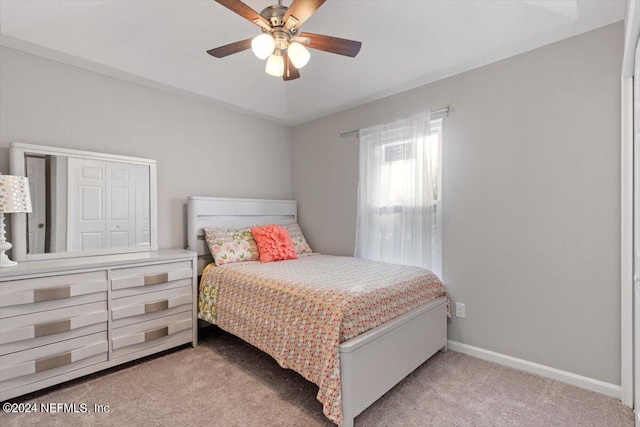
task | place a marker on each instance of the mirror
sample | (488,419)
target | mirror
(83,203)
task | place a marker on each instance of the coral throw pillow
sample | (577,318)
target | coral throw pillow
(274,243)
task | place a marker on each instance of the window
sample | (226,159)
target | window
(399,195)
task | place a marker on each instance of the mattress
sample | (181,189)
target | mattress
(299,311)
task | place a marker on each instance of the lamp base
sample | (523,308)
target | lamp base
(4,246)
(5,261)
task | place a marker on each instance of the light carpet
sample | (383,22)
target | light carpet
(226,382)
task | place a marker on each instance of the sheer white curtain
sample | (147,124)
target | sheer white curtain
(399,192)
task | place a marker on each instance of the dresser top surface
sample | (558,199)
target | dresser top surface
(27,268)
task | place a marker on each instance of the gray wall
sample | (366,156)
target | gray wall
(201,149)
(531,188)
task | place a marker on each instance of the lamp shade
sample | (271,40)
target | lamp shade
(275,66)
(14,194)
(263,45)
(298,54)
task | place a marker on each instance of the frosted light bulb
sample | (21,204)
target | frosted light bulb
(275,66)
(263,45)
(298,54)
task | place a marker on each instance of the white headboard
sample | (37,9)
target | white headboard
(231,213)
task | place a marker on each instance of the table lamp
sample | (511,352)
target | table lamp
(14,198)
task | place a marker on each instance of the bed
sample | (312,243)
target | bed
(367,364)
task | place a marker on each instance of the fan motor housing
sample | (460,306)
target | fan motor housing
(275,14)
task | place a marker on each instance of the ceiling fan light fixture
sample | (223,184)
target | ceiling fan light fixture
(275,66)
(281,42)
(298,54)
(263,45)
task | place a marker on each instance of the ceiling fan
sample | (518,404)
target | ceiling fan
(280,41)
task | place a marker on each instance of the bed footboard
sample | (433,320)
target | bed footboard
(372,363)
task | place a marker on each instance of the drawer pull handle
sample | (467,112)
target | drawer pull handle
(51,328)
(156,333)
(53,362)
(51,294)
(156,279)
(152,307)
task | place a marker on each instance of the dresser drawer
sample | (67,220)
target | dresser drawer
(33,330)
(140,308)
(151,333)
(46,293)
(25,367)
(136,280)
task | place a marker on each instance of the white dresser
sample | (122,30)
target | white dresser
(65,318)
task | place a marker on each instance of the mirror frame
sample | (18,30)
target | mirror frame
(19,221)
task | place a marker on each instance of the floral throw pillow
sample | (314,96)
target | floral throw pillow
(299,242)
(229,245)
(274,243)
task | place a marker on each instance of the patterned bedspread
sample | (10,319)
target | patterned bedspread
(299,311)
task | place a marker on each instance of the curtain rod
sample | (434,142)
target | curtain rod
(357,131)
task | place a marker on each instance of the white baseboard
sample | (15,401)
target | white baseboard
(542,370)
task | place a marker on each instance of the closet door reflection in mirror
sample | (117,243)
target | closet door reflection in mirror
(84,204)
(108,205)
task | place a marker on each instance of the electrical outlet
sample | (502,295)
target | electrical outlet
(460,310)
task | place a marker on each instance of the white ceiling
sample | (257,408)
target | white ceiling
(163,44)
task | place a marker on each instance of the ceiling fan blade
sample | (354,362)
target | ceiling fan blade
(333,44)
(246,12)
(230,49)
(300,11)
(290,70)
